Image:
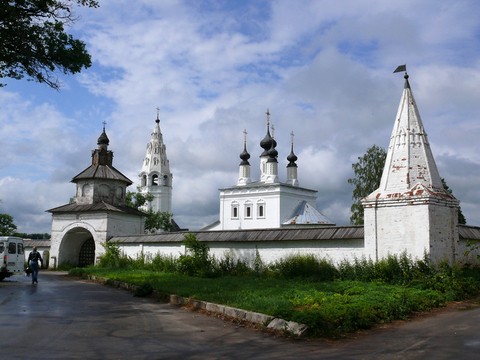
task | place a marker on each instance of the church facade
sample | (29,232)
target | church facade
(267,203)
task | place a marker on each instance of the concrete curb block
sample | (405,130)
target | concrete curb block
(269,321)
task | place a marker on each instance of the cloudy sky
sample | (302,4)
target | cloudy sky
(213,67)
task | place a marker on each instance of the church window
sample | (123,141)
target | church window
(144,180)
(104,191)
(155,180)
(234,210)
(120,192)
(260,209)
(248,210)
(85,189)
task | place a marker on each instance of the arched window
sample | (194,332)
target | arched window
(85,190)
(248,210)
(234,210)
(155,180)
(260,209)
(144,180)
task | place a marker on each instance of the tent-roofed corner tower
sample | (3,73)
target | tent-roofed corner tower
(410,211)
(155,176)
(99,212)
(267,203)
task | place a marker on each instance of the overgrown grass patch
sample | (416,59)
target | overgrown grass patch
(329,308)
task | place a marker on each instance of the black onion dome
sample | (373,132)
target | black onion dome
(272,153)
(292,158)
(245,156)
(103,139)
(266,143)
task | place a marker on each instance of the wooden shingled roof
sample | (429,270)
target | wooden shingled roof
(102,172)
(98,206)
(283,234)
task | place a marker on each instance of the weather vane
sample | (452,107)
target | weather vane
(401,68)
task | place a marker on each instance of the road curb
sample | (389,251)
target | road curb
(268,321)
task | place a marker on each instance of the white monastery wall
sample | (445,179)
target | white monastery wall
(269,251)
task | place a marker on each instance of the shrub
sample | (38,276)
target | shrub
(307,266)
(196,261)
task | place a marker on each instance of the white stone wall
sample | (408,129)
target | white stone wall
(415,226)
(269,251)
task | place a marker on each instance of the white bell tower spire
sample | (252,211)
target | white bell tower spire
(155,176)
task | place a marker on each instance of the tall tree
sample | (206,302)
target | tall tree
(7,227)
(33,41)
(461,217)
(368,173)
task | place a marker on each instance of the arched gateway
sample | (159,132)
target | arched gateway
(98,213)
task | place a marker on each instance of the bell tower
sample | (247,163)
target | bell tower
(155,176)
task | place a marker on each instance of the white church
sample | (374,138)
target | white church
(410,211)
(267,203)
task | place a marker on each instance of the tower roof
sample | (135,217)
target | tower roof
(267,141)
(292,157)
(410,168)
(245,155)
(156,154)
(103,138)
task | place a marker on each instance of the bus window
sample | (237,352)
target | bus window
(20,249)
(12,248)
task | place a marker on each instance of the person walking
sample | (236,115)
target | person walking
(33,259)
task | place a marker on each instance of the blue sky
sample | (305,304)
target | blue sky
(323,68)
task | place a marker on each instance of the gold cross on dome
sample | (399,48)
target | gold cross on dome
(292,135)
(245,135)
(273,131)
(268,117)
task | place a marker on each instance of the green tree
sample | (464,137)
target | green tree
(461,217)
(159,220)
(7,227)
(137,199)
(33,41)
(156,220)
(368,173)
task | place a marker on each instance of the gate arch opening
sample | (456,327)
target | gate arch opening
(77,248)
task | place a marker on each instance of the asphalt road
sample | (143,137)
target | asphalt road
(61,318)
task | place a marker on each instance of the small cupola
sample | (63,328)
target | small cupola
(102,156)
(244,170)
(292,166)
